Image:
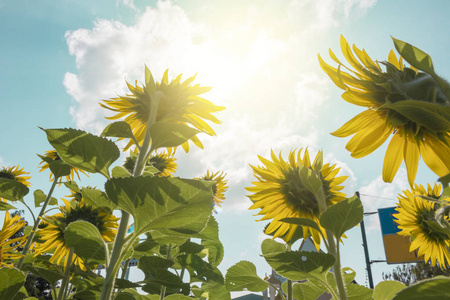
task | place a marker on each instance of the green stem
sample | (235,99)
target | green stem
(66,279)
(125,268)
(116,255)
(337,266)
(27,246)
(163,288)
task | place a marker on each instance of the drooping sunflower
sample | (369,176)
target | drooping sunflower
(220,186)
(7,245)
(280,193)
(161,164)
(416,217)
(401,102)
(52,233)
(51,156)
(14,173)
(180,104)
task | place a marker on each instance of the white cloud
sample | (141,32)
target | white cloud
(379,194)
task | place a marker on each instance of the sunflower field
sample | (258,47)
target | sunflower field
(166,225)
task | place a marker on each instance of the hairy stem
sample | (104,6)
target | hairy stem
(66,279)
(337,266)
(27,246)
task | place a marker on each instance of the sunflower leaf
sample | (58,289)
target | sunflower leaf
(211,242)
(427,289)
(40,197)
(269,246)
(387,289)
(215,290)
(414,56)
(72,185)
(11,280)
(97,199)
(166,134)
(342,216)
(242,276)
(120,172)
(83,150)
(118,129)
(163,203)
(307,290)
(358,292)
(12,190)
(300,265)
(86,241)
(59,168)
(432,116)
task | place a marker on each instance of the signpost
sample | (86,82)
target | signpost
(396,246)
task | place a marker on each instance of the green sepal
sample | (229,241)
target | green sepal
(120,129)
(386,290)
(86,241)
(414,56)
(166,204)
(40,197)
(83,150)
(310,180)
(436,228)
(97,199)
(165,134)
(5,206)
(12,190)
(434,117)
(242,276)
(149,81)
(11,280)
(342,216)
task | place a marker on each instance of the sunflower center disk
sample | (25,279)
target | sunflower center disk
(296,194)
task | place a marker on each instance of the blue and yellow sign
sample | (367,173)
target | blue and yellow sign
(396,246)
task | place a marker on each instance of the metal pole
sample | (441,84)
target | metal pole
(366,251)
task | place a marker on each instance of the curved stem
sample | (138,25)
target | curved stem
(116,255)
(66,279)
(29,209)
(337,266)
(27,246)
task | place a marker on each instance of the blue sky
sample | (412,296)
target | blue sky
(60,58)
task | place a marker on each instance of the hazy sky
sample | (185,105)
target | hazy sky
(60,58)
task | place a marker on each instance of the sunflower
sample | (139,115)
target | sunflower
(416,218)
(51,156)
(160,164)
(180,104)
(220,186)
(280,193)
(7,245)
(14,173)
(401,102)
(52,233)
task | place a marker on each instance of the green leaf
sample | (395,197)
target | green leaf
(211,242)
(414,56)
(307,290)
(49,272)
(166,134)
(215,290)
(432,116)
(243,276)
(40,197)
(200,270)
(180,205)
(386,290)
(118,129)
(269,246)
(445,180)
(177,297)
(97,199)
(5,206)
(120,172)
(59,168)
(151,264)
(72,185)
(302,222)
(342,216)
(300,265)
(347,273)
(12,190)
(86,241)
(130,294)
(11,280)
(358,292)
(83,150)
